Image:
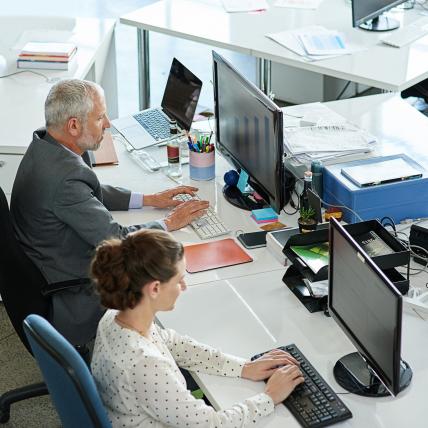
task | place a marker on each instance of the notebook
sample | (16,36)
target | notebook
(214,254)
(151,126)
(106,153)
(381,172)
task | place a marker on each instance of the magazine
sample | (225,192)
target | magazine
(314,256)
(373,244)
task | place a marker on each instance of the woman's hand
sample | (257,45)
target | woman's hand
(281,384)
(267,364)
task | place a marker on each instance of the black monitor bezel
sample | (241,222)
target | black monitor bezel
(393,385)
(358,21)
(276,201)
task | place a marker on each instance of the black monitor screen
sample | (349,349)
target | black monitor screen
(366,305)
(249,130)
(181,94)
(363,10)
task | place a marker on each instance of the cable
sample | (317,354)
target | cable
(27,71)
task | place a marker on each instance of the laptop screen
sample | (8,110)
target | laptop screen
(181,94)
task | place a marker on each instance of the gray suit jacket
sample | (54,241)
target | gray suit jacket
(61,212)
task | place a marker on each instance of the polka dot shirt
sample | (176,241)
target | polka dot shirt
(141,385)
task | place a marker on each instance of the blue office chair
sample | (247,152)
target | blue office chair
(70,383)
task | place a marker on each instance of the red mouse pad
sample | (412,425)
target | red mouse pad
(214,254)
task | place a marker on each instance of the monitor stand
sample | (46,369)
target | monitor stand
(241,200)
(352,373)
(381,23)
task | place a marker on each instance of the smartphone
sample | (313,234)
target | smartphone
(253,239)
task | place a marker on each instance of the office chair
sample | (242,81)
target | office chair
(20,285)
(71,385)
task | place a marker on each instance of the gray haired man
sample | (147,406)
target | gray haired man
(61,212)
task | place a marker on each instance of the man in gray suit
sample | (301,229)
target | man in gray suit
(61,212)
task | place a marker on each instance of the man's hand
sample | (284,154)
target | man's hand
(184,213)
(267,364)
(165,199)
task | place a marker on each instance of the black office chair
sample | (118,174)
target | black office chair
(24,291)
(20,287)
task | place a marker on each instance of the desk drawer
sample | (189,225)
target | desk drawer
(8,167)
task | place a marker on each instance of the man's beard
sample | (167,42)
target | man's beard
(86,142)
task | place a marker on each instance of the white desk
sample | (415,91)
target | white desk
(206,22)
(22,96)
(247,309)
(387,116)
(245,316)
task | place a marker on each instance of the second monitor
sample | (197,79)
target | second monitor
(249,132)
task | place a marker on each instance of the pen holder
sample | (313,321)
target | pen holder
(202,165)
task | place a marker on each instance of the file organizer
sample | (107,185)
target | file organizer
(293,277)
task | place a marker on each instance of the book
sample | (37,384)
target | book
(44,58)
(373,244)
(46,65)
(314,256)
(49,48)
(106,153)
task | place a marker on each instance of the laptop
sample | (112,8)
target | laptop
(152,126)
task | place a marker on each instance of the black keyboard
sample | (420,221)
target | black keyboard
(313,403)
(155,123)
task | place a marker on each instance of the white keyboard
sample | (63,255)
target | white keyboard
(209,225)
(407,34)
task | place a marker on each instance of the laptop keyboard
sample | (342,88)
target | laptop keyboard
(155,123)
(313,403)
(209,225)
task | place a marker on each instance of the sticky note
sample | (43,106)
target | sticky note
(264,214)
(243,181)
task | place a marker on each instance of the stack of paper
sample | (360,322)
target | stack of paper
(329,136)
(314,43)
(49,55)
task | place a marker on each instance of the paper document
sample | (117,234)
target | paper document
(331,136)
(298,4)
(323,44)
(293,40)
(233,6)
(384,171)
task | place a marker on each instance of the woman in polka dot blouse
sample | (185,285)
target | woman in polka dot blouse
(136,363)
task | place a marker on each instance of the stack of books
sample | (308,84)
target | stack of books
(54,56)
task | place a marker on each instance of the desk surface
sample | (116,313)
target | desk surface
(382,115)
(245,316)
(379,66)
(246,309)
(23,96)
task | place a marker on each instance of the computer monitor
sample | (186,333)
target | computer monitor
(368,14)
(249,134)
(368,308)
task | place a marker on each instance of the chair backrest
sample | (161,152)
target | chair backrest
(70,383)
(21,281)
